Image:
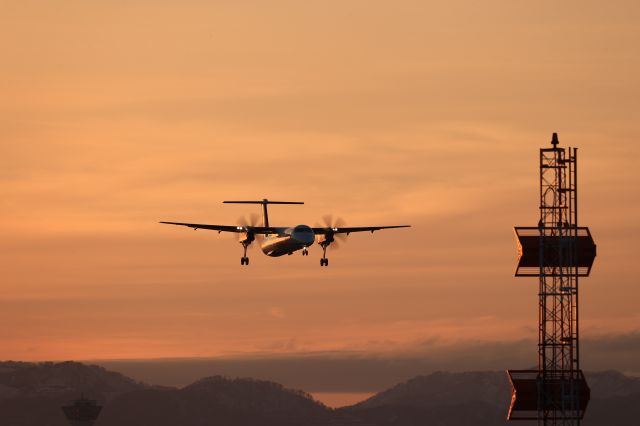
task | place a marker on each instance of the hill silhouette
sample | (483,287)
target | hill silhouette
(23,379)
(31,394)
(217,400)
(481,398)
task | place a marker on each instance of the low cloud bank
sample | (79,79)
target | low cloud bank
(370,372)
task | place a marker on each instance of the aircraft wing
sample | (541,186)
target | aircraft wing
(227,228)
(348,230)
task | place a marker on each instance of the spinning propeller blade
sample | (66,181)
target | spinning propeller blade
(249,222)
(330,222)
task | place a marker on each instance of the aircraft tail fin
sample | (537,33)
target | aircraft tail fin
(264,202)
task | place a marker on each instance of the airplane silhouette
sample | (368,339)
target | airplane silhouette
(279,241)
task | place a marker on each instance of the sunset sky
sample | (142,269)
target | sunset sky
(115,115)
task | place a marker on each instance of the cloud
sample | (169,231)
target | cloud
(360,371)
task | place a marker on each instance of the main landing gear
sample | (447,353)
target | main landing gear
(324,261)
(305,252)
(244,260)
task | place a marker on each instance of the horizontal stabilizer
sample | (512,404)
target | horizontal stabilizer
(265,201)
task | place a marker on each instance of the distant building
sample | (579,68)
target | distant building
(83,412)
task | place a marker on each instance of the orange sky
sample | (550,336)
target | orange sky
(115,115)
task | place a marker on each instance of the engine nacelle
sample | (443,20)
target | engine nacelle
(247,237)
(326,239)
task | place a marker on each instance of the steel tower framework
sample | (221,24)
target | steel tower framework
(558,252)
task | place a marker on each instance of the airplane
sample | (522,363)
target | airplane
(279,241)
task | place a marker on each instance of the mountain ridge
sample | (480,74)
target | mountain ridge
(31,394)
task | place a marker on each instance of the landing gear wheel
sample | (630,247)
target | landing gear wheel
(244,260)
(324,262)
(305,252)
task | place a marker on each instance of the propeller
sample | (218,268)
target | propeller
(247,222)
(329,221)
(252,220)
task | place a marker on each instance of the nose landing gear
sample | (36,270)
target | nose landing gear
(305,252)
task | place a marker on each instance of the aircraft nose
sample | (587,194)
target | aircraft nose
(306,238)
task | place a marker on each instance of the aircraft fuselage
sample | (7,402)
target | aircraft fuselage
(288,241)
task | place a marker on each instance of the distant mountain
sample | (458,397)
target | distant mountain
(476,398)
(443,389)
(31,395)
(23,379)
(482,398)
(220,401)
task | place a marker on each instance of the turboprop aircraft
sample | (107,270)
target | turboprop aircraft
(278,241)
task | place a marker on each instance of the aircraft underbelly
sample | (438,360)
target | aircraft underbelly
(279,246)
